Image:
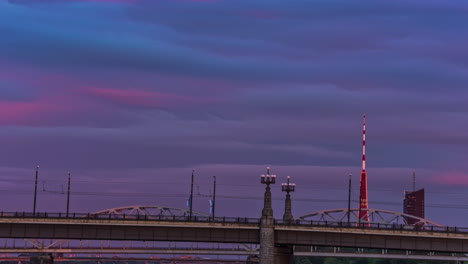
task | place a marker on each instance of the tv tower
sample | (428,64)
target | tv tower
(363,198)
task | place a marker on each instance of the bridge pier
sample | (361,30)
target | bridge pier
(267,223)
(267,231)
(46,259)
(269,253)
(284,255)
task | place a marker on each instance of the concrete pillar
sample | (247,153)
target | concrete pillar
(46,259)
(287,209)
(267,231)
(267,209)
(284,255)
(288,188)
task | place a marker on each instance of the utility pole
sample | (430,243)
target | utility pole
(191,196)
(35,190)
(214,196)
(68,194)
(349,198)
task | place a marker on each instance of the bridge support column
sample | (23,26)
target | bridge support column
(267,245)
(267,223)
(47,259)
(267,233)
(284,255)
(288,187)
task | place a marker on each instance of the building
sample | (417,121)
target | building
(414,205)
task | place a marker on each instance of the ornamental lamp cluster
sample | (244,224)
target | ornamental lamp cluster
(268,178)
(288,187)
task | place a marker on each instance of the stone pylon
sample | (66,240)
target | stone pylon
(267,223)
(288,217)
(288,188)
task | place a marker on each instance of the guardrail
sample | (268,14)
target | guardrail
(365,225)
(132,217)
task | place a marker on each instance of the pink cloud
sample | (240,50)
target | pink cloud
(37,77)
(21,113)
(133,97)
(452,178)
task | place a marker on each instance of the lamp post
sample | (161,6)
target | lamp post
(267,179)
(35,190)
(68,194)
(267,222)
(288,187)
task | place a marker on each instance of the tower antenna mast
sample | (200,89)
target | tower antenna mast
(363,195)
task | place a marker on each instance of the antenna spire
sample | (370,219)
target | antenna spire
(364,144)
(363,194)
(414,181)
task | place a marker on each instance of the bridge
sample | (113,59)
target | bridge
(339,232)
(297,237)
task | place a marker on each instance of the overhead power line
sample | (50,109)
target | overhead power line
(226,197)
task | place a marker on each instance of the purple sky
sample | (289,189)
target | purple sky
(130,95)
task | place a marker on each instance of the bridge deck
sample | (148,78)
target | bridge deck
(232,230)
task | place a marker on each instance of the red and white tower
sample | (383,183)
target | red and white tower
(363,198)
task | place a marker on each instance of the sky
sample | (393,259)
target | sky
(130,95)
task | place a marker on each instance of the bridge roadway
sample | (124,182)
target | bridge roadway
(231,230)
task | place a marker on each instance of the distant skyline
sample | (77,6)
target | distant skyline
(130,95)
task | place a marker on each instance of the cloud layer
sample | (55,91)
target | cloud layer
(168,85)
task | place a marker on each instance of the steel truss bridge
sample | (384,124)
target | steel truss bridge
(324,233)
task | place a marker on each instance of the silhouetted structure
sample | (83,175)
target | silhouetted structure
(288,187)
(363,195)
(42,259)
(414,205)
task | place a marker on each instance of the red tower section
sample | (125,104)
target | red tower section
(363,198)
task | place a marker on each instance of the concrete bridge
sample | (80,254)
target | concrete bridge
(286,234)
(278,239)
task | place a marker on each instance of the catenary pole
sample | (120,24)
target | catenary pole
(35,190)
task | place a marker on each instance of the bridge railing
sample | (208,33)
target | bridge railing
(132,217)
(242,220)
(391,226)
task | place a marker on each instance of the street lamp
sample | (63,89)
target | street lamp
(267,222)
(288,187)
(267,179)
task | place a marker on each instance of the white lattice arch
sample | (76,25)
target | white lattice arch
(150,210)
(376,216)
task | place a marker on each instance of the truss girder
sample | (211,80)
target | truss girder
(376,216)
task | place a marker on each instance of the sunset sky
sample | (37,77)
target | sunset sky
(130,95)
